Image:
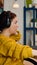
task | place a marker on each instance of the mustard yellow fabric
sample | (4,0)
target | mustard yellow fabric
(16,37)
(12,53)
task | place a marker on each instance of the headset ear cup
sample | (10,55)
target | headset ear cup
(8,22)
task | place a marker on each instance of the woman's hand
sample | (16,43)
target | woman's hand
(34,52)
(27,63)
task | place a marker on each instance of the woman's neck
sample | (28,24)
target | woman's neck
(6,33)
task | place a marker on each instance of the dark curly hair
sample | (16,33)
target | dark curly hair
(4,17)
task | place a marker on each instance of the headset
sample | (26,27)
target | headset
(8,20)
(31,60)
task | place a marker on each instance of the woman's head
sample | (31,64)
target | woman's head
(8,20)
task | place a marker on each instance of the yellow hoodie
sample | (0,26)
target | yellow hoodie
(12,53)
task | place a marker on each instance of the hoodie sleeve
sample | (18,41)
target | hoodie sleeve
(9,47)
(22,51)
(17,50)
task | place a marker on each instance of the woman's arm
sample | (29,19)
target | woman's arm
(34,52)
(19,50)
(31,61)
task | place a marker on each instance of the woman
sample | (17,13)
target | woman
(12,53)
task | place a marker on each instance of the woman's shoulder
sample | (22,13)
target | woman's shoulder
(6,39)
